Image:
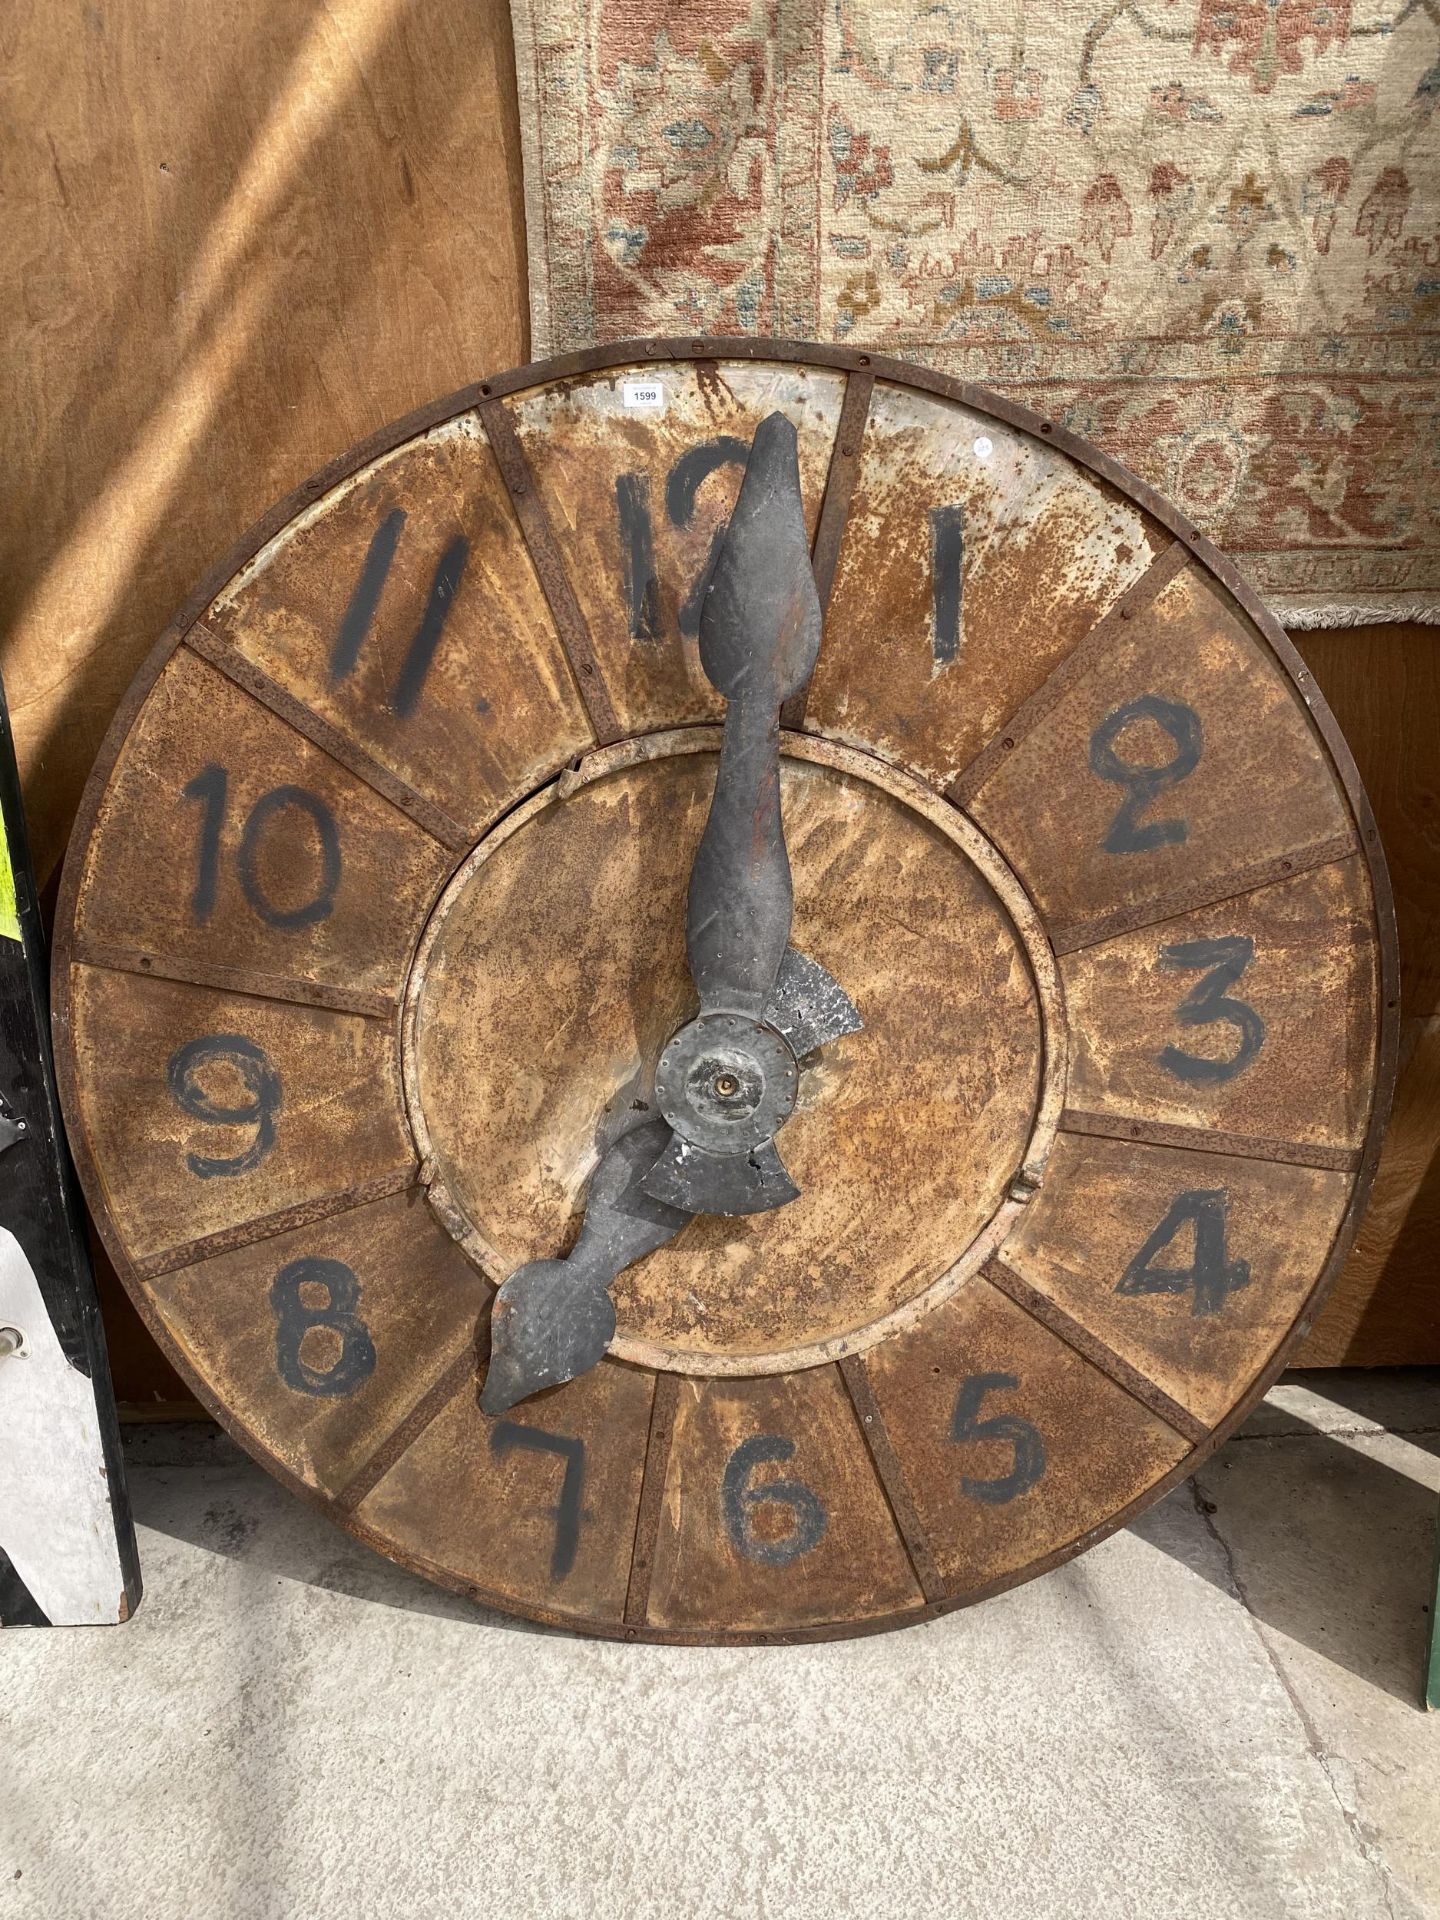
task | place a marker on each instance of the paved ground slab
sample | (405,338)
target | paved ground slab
(1211,1715)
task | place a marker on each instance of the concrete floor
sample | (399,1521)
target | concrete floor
(1213,1714)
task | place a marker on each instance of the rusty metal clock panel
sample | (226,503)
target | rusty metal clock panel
(373,928)
(637,470)
(891,887)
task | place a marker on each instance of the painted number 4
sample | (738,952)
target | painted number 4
(1211,1276)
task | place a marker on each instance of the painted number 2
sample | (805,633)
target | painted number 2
(1141,783)
(1211,1276)
(1225,960)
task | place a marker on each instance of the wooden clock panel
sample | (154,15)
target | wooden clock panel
(404,610)
(772,1509)
(1008,1444)
(373,928)
(1255,1016)
(638,495)
(1191,1266)
(539,1506)
(227,840)
(1171,760)
(210,1109)
(320,1341)
(975,559)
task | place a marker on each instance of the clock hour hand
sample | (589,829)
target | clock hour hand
(727,1082)
(554,1319)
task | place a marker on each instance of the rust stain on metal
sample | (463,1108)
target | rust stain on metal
(1054,1317)
(834,511)
(1294,1153)
(960,532)
(1213,893)
(891,1475)
(549,565)
(242,980)
(638,496)
(647,1525)
(1200,1342)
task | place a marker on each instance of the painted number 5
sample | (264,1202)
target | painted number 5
(1021,1436)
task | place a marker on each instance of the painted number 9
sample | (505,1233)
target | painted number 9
(222,1054)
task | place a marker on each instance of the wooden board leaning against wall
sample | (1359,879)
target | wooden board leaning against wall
(241,239)
(245,239)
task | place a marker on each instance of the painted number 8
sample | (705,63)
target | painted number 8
(295,1317)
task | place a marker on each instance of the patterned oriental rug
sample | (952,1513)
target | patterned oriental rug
(1204,233)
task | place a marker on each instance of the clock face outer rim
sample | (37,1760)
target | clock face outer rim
(973,846)
(851,361)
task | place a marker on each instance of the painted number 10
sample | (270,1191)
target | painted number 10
(210,788)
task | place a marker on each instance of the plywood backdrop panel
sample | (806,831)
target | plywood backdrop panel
(1383,684)
(239,237)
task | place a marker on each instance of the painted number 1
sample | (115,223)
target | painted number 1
(359,615)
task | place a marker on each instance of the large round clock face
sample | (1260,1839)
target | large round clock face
(373,933)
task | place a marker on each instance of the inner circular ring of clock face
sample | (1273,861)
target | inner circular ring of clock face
(553,973)
(373,932)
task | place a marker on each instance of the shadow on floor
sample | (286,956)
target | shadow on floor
(1326,1537)
(192,1483)
(1322,1539)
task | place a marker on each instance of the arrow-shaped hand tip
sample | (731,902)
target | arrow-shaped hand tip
(547,1325)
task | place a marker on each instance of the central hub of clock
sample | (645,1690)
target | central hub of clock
(726,1082)
(550,1011)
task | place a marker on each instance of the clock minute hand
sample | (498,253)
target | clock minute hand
(759,638)
(728,1081)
